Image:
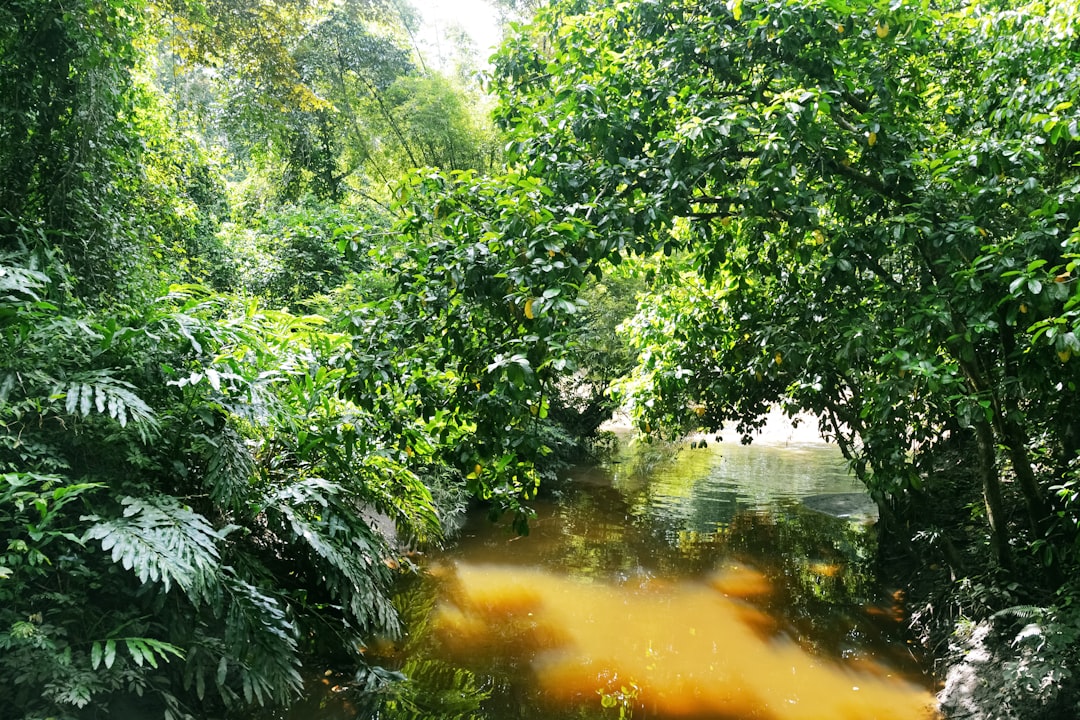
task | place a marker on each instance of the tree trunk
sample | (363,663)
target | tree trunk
(1012,438)
(991,486)
(1015,441)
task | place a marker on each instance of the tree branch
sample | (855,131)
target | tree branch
(875,184)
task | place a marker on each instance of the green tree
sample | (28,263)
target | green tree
(479,326)
(94,166)
(337,105)
(438,130)
(193,497)
(581,401)
(880,203)
(68,165)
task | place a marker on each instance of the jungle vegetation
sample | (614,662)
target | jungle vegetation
(277,300)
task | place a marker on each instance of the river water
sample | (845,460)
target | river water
(698,585)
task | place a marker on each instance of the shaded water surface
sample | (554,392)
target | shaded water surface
(699,587)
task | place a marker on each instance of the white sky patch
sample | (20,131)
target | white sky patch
(479,19)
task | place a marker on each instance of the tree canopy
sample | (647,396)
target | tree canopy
(875,205)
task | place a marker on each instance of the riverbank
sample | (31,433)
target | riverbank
(998,647)
(994,641)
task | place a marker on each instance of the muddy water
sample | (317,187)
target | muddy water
(693,587)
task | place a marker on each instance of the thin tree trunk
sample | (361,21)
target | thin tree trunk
(1015,441)
(991,486)
(391,121)
(1012,437)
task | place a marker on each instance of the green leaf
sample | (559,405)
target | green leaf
(162,541)
(72,399)
(135,649)
(86,395)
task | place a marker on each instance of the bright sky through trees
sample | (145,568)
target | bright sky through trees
(477,17)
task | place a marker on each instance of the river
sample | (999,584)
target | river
(660,587)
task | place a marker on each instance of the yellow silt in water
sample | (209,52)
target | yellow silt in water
(689,649)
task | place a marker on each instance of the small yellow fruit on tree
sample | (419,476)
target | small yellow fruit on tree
(529,309)
(871,139)
(883,30)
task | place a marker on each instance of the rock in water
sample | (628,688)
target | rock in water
(850,506)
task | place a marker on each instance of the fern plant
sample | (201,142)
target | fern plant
(189,504)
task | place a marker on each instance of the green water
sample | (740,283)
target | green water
(693,586)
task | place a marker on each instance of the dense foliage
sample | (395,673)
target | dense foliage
(199,488)
(868,212)
(158,470)
(879,205)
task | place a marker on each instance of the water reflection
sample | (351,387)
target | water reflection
(698,589)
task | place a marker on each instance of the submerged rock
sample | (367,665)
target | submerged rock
(850,506)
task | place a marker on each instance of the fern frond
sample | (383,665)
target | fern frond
(188,293)
(308,491)
(162,541)
(229,470)
(1021,612)
(143,650)
(98,390)
(260,648)
(397,491)
(346,550)
(449,693)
